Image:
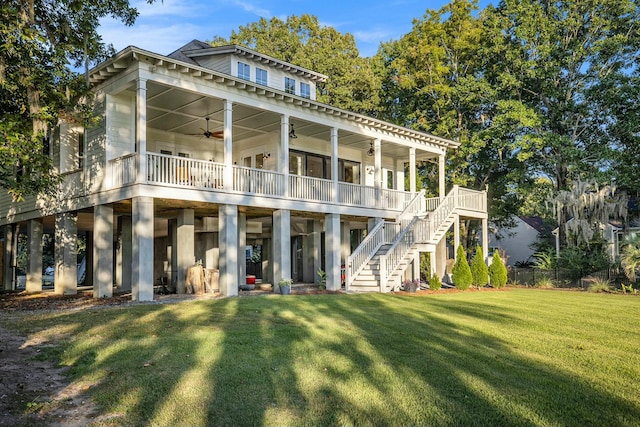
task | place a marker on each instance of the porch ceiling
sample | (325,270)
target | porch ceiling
(174,110)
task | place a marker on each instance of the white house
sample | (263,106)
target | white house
(516,243)
(208,151)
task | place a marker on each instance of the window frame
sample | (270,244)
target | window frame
(246,71)
(290,85)
(259,79)
(305,93)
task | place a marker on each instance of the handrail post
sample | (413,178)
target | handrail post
(383,273)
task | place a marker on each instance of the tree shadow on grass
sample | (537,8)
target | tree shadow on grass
(326,360)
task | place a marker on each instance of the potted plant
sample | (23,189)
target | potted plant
(285,286)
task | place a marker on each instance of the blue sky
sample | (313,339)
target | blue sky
(166,25)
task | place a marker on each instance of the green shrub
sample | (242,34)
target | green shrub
(461,271)
(497,272)
(479,269)
(434,282)
(599,285)
(544,283)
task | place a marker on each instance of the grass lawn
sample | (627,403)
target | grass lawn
(515,357)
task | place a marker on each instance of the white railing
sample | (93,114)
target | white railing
(365,250)
(380,236)
(310,188)
(175,170)
(431,204)
(417,231)
(123,170)
(355,195)
(442,212)
(472,200)
(207,175)
(257,181)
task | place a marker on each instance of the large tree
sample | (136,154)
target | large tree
(302,41)
(435,79)
(39,41)
(553,57)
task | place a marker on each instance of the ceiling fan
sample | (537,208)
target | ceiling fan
(209,134)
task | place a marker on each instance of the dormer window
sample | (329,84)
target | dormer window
(290,85)
(261,76)
(305,90)
(244,71)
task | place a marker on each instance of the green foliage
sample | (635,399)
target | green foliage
(628,288)
(497,271)
(545,260)
(599,285)
(461,271)
(303,41)
(630,256)
(479,269)
(544,283)
(38,40)
(322,278)
(580,261)
(425,266)
(435,283)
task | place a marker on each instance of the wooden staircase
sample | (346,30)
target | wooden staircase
(392,253)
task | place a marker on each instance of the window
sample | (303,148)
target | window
(261,76)
(305,90)
(80,150)
(244,72)
(289,85)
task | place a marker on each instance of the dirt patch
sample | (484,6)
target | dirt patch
(33,391)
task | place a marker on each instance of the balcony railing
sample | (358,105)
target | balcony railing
(205,175)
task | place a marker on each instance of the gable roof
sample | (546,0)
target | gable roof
(197,49)
(536,223)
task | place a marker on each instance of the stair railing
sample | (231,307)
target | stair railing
(416,231)
(382,233)
(442,212)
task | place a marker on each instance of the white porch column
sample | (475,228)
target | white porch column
(184,246)
(317,244)
(456,236)
(412,170)
(141,128)
(142,249)
(281,247)
(172,254)
(66,244)
(441,177)
(7,261)
(434,266)
(228,243)
(242,244)
(332,250)
(334,162)
(102,251)
(283,155)
(377,159)
(399,175)
(345,241)
(34,256)
(228,145)
(416,266)
(124,254)
(485,240)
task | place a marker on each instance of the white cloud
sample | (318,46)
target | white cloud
(154,38)
(249,7)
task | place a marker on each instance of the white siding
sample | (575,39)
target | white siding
(222,64)
(121,130)
(95,153)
